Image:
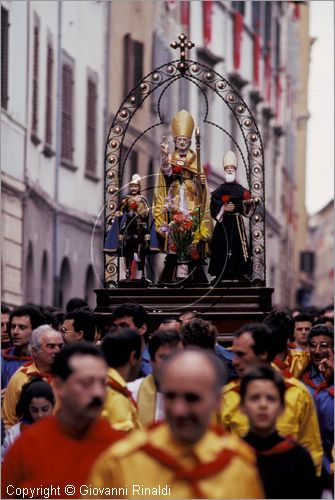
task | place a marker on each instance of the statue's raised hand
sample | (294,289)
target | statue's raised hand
(164,148)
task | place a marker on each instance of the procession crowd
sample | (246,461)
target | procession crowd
(110,409)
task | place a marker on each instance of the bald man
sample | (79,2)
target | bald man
(183,457)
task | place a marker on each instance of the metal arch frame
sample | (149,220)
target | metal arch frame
(194,72)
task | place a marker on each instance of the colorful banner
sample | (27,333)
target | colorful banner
(279,90)
(185,13)
(237,37)
(268,74)
(257,56)
(207,21)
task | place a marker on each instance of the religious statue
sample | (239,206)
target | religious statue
(230,202)
(132,233)
(181,202)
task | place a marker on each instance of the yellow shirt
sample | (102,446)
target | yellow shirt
(119,409)
(299,419)
(196,195)
(135,473)
(13,391)
(297,361)
(149,401)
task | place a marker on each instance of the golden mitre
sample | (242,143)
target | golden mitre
(182,124)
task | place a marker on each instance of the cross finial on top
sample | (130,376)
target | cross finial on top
(182,45)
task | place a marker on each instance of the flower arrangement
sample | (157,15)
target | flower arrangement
(133,205)
(177,169)
(184,231)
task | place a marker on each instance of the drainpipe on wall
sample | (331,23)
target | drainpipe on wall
(25,164)
(107,65)
(107,68)
(56,277)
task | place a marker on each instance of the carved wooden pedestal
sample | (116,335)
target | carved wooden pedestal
(228,305)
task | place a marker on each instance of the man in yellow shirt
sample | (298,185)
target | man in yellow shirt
(121,348)
(146,390)
(184,457)
(136,317)
(45,344)
(302,325)
(253,344)
(287,357)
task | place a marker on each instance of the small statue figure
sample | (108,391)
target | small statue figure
(230,255)
(181,188)
(132,233)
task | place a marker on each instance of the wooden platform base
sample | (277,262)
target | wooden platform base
(228,305)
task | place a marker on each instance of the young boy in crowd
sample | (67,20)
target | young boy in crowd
(285,467)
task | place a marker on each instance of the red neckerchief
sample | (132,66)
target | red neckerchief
(236,387)
(200,471)
(292,345)
(278,448)
(122,390)
(317,387)
(330,391)
(36,373)
(283,367)
(11,357)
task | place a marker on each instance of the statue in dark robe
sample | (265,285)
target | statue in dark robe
(230,202)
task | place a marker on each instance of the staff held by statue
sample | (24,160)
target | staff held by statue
(200,186)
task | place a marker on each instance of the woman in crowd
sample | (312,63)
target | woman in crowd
(36,401)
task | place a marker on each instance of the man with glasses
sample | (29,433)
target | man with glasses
(319,378)
(321,349)
(45,344)
(78,325)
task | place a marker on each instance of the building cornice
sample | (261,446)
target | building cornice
(12,185)
(6,117)
(272,223)
(69,215)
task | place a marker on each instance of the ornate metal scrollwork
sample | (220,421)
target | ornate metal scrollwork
(200,75)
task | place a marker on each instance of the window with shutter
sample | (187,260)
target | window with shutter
(4,57)
(256,16)
(133,63)
(239,7)
(67,111)
(277,44)
(138,62)
(49,92)
(91,126)
(36,48)
(267,25)
(133,163)
(128,76)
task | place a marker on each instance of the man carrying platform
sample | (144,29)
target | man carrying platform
(184,457)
